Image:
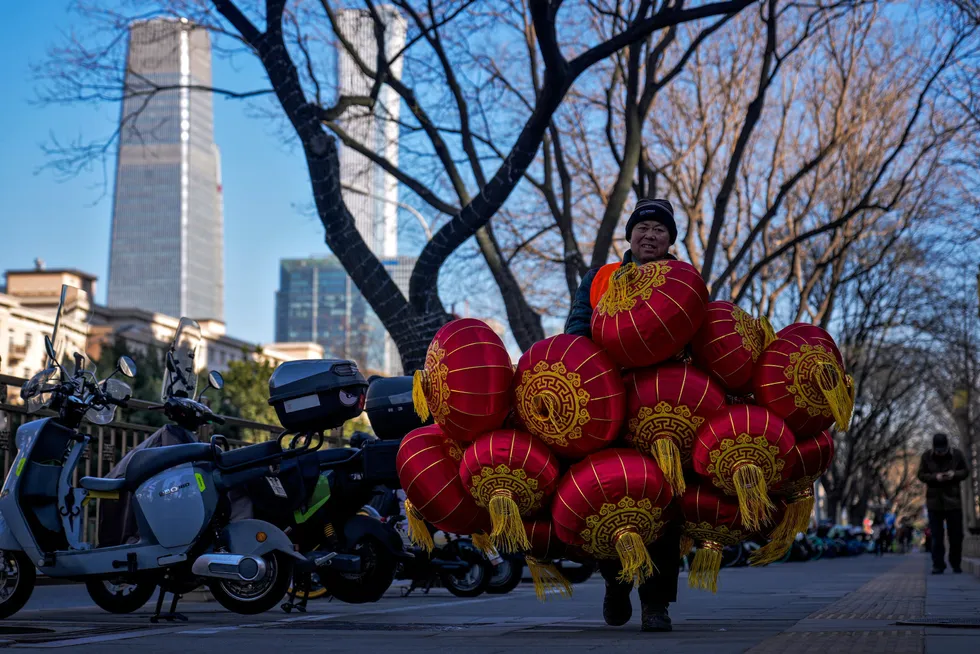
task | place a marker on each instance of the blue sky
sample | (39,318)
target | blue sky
(66,222)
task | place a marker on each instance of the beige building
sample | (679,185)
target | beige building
(27,314)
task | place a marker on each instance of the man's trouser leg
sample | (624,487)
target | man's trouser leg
(661,588)
(954,524)
(937,527)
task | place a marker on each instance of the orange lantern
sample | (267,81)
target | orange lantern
(569,394)
(466,380)
(729,343)
(512,474)
(611,504)
(801,379)
(545,547)
(713,521)
(428,469)
(744,450)
(666,406)
(650,312)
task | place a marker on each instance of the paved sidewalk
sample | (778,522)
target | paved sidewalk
(841,606)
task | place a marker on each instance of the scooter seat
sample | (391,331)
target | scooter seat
(102,484)
(148,462)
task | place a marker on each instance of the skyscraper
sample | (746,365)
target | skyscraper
(370,193)
(166,250)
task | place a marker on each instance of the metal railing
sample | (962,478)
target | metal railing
(111,442)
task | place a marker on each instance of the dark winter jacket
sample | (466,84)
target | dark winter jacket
(943,495)
(579,321)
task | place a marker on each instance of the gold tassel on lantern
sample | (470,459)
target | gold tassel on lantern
(705,568)
(634,557)
(771,552)
(668,457)
(418,531)
(838,390)
(796,519)
(419,383)
(482,542)
(508,533)
(547,579)
(543,407)
(686,544)
(753,496)
(768,333)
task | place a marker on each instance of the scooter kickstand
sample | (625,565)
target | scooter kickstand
(172,615)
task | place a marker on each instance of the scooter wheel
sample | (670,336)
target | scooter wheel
(576,574)
(17,577)
(506,576)
(473,581)
(369,585)
(252,597)
(120,598)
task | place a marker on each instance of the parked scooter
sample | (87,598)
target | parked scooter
(317,498)
(180,491)
(117,518)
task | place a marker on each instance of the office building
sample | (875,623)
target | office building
(166,249)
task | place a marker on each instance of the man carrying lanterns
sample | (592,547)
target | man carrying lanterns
(651,231)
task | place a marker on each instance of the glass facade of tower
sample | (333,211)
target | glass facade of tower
(317,301)
(166,250)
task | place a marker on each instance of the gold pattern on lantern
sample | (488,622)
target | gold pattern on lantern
(551,402)
(744,449)
(632,283)
(799,486)
(436,386)
(664,421)
(753,338)
(455,450)
(704,532)
(492,481)
(803,372)
(601,530)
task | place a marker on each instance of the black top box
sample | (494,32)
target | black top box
(317,394)
(390,408)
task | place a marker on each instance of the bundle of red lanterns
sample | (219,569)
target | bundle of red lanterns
(728,423)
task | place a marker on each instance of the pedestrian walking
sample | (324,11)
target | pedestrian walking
(651,231)
(942,469)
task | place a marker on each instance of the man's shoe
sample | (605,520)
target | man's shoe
(655,618)
(958,571)
(937,571)
(616,607)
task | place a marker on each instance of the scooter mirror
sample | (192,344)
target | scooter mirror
(215,380)
(49,348)
(126,366)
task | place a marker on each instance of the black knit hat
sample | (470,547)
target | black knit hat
(654,209)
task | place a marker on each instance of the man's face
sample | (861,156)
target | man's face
(649,241)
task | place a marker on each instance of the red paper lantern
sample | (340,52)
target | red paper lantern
(802,381)
(611,504)
(466,380)
(814,335)
(650,312)
(713,521)
(728,344)
(569,394)
(811,458)
(665,408)
(428,469)
(512,474)
(545,547)
(744,451)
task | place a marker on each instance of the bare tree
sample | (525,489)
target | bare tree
(273,33)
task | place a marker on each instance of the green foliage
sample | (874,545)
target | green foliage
(246,396)
(146,385)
